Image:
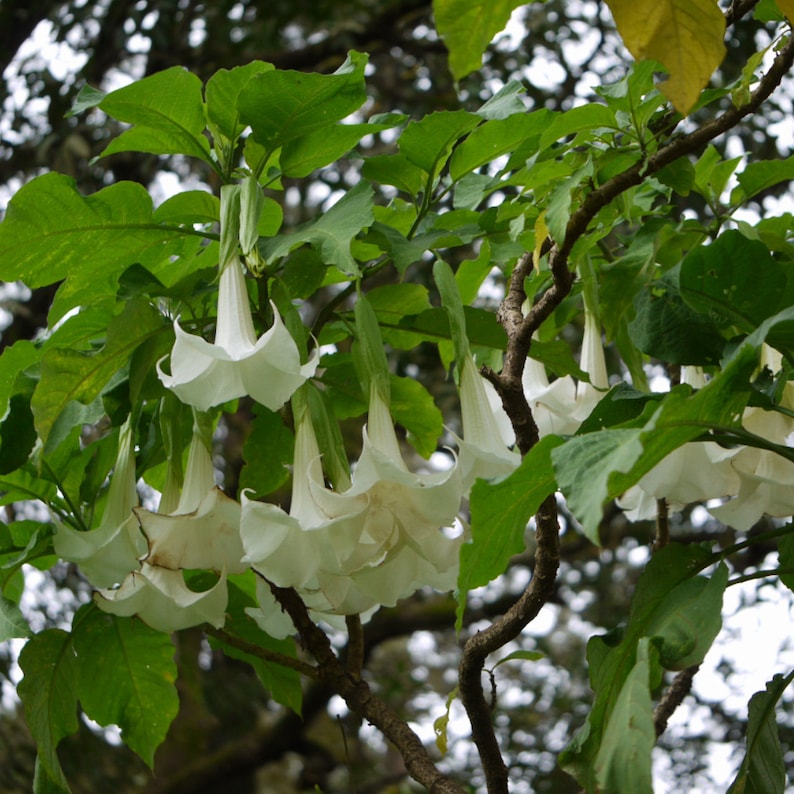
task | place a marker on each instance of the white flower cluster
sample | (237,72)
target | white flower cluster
(748,482)
(377,539)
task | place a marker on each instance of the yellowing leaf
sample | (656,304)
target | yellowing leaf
(541,233)
(787,7)
(685,36)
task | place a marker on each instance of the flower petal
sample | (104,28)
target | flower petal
(162,600)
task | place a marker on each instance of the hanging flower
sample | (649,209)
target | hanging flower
(267,369)
(695,472)
(203,532)
(376,542)
(161,599)
(560,407)
(108,553)
(483,450)
(766,479)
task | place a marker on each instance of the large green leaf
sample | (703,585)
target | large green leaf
(127,677)
(167,114)
(413,408)
(12,623)
(763,769)
(68,375)
(495,138)
(684,35)
(428,143)
(500,513)
(51,232)
(668,329)
(735,279)
(623,763)
(331,232)
(680,611)
(467,27)
(14,359)
(760,176)
(281,105)
(48,692)
(222,92)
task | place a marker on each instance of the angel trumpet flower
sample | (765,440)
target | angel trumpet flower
(376,542)
(204,530)
(695,472)
(107,554)
(483,449)
(236,364)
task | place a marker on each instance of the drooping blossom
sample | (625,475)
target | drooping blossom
(161,599)
(695,472)
(378,541)
(269,369)
(108,553)
(766,479)
(483,451)
(203,532)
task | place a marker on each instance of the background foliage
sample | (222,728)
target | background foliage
(491,179)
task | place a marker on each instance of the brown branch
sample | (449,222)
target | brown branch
(355,645)
(673,698)
(360,699)
(504,629)
(263,653)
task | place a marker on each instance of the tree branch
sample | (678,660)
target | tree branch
(673,698)
(263,653)
(359,697)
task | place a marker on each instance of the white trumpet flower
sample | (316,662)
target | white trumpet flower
(107,554)
(236,364)
(161,599)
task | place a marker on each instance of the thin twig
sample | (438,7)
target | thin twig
(310,671)
(673,698)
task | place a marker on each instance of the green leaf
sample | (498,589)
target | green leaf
(735,279)
(681,611)
(686,36)
(222,93)
(12,623)
(303,155)
(525,656)
(611,461)
(668,329)
(585,118)
(14,359)
(763,769)
(167,114)
(282,106)
(412,406)
(48,692)
(500,512)
(467,27)
(267,452)
(785,551)
(332,232)
(51,232)
(395,170)
(453,306)
(495,138)
(760,176)
(623,762)
(427,143)
(391,303)
(68,375)
(127,677)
